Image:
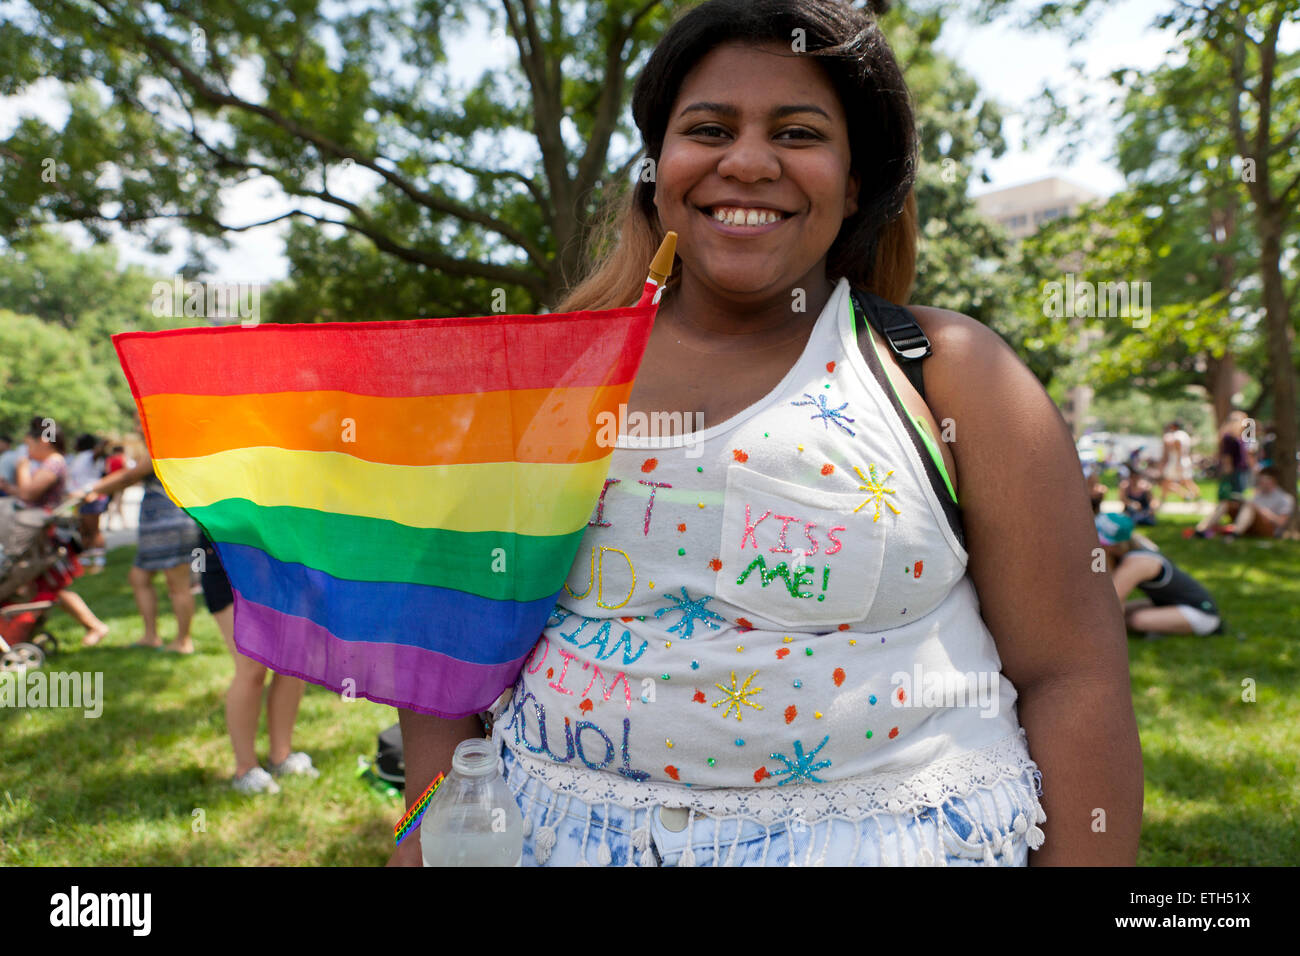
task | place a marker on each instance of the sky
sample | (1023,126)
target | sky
(1009,65)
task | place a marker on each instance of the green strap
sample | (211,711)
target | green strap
(922,428)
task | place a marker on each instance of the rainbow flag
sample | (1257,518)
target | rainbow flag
(397,504)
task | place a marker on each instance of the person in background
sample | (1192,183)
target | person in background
(115,462)
(168,541)
(1176,464)
(244,698)
(1135,493)
(1097,489)
(1174,602)
(9,458)
(42,483)
(1268,446)
(85,469)
(1234,461)
(1264,516)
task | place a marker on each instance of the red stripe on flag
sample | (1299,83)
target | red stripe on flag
(417,357)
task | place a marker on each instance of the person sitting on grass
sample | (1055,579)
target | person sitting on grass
(1174,602)
(1097,489)
(1264,516)
(1135,493)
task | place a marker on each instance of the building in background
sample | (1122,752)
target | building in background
(1022,209)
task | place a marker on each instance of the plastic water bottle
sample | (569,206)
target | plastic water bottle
(473,819)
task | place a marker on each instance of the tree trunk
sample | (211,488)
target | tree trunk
(1281,339)
(1220,372)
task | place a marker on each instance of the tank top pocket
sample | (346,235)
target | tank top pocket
(797,557)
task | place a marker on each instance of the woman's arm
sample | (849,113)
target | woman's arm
(120,479)
(427,745)
(31,488)
(1058,624)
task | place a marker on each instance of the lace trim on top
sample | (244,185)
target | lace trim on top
(907,792)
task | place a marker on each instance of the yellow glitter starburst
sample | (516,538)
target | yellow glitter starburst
(876,491)
(737,695)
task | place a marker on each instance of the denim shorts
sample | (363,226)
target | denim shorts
(987,828)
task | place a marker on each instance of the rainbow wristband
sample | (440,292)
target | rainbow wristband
(413,815)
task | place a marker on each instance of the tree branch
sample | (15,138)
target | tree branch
(547,111)
(429,200)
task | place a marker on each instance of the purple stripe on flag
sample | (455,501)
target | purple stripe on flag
(393,674)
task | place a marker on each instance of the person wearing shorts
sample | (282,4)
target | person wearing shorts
(1174,602)
(1264,516)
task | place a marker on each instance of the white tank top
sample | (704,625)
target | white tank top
(776,603)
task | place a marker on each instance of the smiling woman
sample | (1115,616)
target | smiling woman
(783,641)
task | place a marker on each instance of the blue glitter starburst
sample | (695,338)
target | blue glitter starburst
(825,412)
(692,611)
(802,767)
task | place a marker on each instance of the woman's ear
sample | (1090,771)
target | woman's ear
(851,190)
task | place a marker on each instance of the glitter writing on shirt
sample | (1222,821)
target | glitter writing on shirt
(649,506)
(596,522)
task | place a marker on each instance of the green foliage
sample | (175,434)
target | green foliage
(1185,223)
(960,256)
(49,372)
(172,104)
(80,297)
(469,188)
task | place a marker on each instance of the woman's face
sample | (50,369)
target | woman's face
(37,449)
(753,129)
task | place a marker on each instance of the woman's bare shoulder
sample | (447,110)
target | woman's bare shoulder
(968,359)
(954,334)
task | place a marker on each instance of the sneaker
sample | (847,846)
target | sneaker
(297,763)
(256,780)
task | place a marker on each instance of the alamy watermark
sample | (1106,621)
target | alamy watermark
(947,688)
(39,688)
(610,425)
(223,302)
(1075,299)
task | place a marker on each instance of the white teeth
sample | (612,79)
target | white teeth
(745,217)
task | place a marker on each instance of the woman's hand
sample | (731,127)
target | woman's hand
(427,745)
(408,854)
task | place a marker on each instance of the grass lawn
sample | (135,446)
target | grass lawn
(1221,782)
(123,789)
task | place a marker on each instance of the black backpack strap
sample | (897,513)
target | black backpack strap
(899,328)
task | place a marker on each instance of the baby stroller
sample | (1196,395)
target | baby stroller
(29,548)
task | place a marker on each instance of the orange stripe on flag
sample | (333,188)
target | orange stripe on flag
(556,426)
